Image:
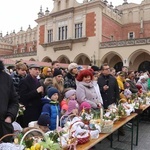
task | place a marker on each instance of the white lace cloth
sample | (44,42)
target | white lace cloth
(10,146)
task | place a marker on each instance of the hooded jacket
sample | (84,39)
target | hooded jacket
(51,108)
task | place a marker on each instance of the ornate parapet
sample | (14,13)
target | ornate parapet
(34,53)
(133,42)
(64,44)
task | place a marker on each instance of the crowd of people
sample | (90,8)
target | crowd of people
(50,92)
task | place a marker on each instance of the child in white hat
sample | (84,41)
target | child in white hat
(69,105)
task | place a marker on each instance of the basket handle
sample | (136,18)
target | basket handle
(67,118)
(29,132)
(6,135)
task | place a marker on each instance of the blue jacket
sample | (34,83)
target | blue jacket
(52,108)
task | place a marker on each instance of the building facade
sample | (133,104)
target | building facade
(89,32)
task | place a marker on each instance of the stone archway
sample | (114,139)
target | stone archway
(82,59)
(63,59)
(139,60)
(144,66)
(31,59)
(46,59)
(113,59)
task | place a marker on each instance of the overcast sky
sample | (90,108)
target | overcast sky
(15,14)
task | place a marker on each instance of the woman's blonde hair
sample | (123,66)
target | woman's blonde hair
(59,86)
(21,65)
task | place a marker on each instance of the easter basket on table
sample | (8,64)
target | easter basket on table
(10,146)
(106,126)
(77,131)
(76,134)
(32,138)
(36,139)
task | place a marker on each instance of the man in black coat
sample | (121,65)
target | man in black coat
(8,104)
(108,86)
(30,92)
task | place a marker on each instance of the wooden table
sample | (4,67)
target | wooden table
(138,118)
(102,136)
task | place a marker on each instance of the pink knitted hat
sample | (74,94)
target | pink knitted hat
(85,105)
(72,104)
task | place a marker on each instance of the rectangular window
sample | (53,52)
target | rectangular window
(30,49)
(111,38)
(15,51)
(78,30)
(62,33)
(50,36)
(131,35)
(22,50)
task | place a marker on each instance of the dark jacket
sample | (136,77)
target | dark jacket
(111,95)
(8,103)
(69,81)
(52,108)
(30,98)
(8,97)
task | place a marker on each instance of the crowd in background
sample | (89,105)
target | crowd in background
(48,93)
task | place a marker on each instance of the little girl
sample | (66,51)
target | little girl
(69,105)
(69,95)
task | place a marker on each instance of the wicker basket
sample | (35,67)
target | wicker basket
(6,146)
(107,128)
(123,117)
(83,140)
(30,133)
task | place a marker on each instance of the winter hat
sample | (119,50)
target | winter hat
(70,93)
(142,77)
(34,66)
(95,68)
(51,91)
(57,72)
(44,120)
(72,104)
(79,67)
(85,105)
(72,66)
(139,86)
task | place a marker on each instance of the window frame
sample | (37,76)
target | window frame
(131,37)
(78,30)
(63,32)
(49,35)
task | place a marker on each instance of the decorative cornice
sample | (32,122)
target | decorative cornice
(62,12)
(55,14)
(64,44)
(34,53)
(132,42)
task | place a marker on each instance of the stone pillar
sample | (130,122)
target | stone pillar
(63,4)
(70,26)
(84,25)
